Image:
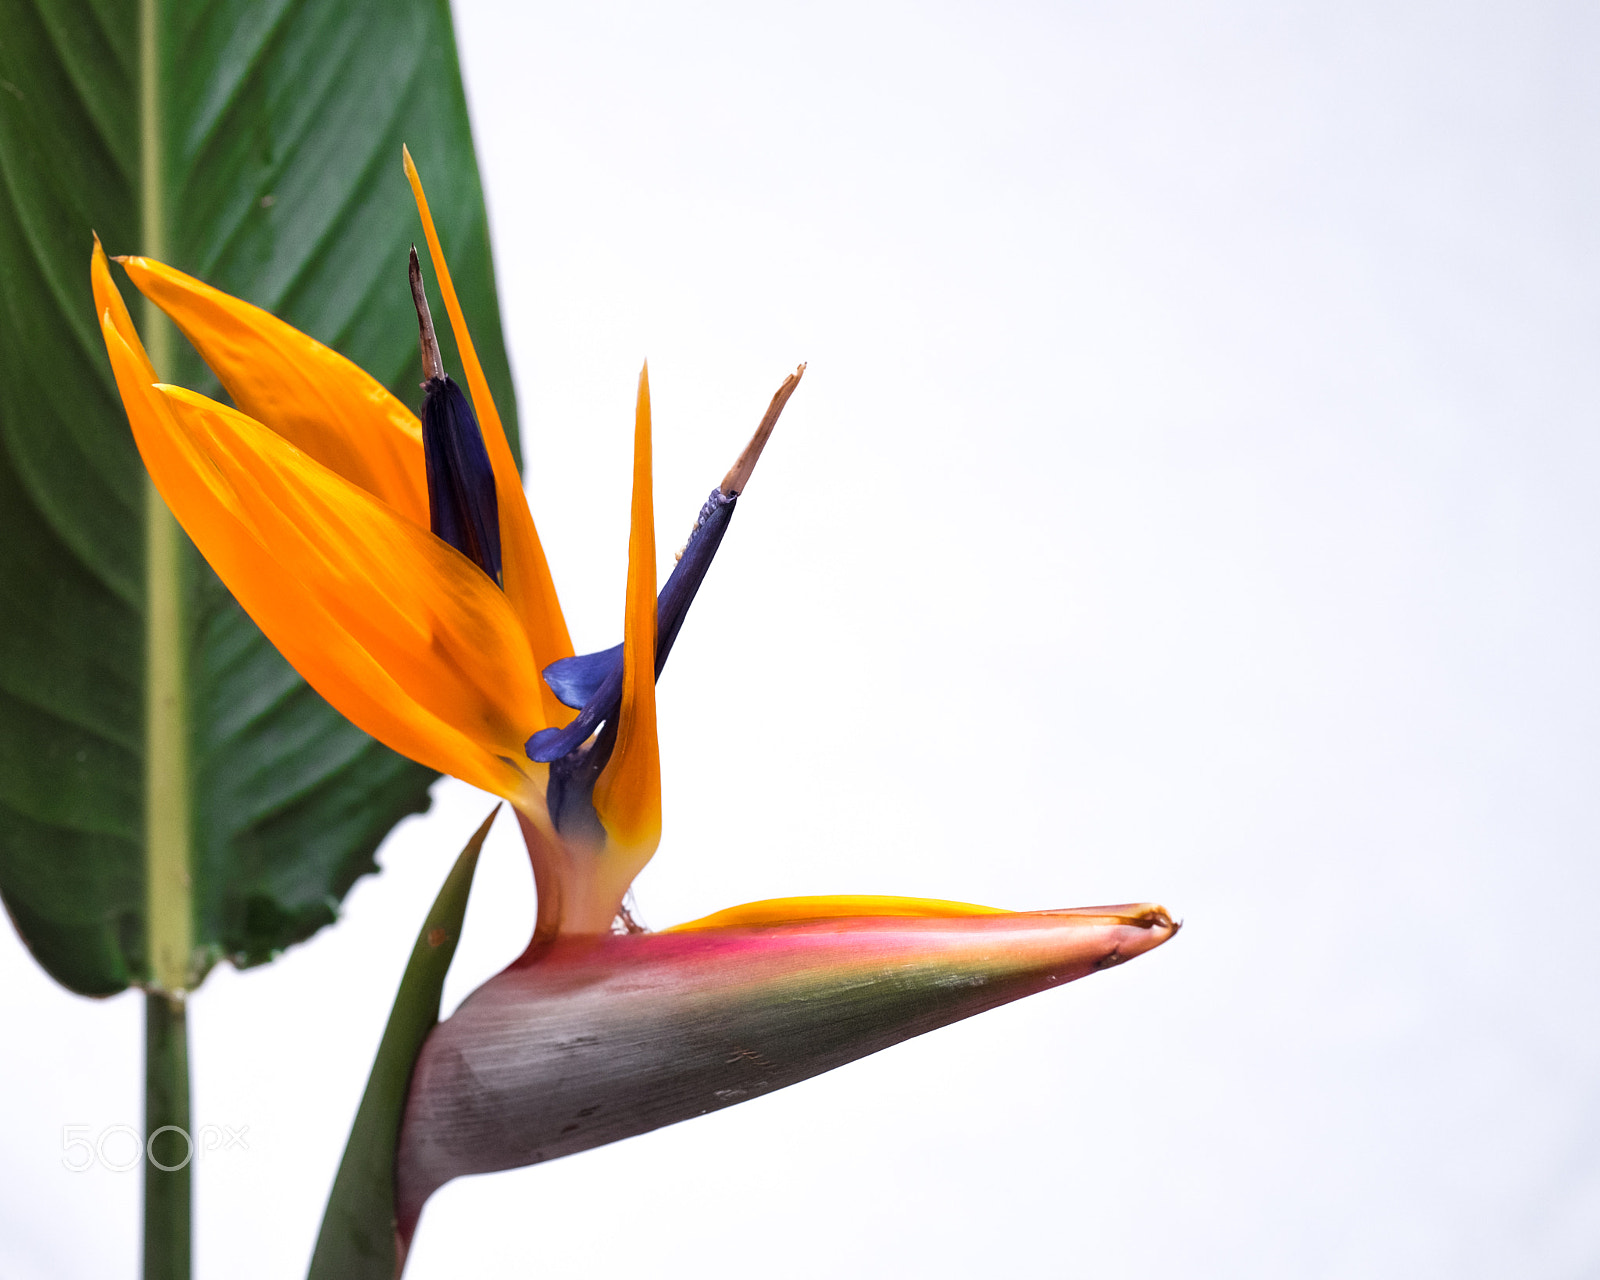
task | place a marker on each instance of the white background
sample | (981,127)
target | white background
(1192,497)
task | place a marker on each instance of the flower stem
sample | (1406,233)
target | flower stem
(169,1148)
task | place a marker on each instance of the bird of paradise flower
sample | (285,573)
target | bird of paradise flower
(396,565)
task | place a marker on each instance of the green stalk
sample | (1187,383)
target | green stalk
(169,907)
(169,1146)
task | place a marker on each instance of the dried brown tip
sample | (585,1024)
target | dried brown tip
(1142,915)
(739,474)
(432,361)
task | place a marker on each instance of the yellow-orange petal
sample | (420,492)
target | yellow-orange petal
(312,396)
(627,797)
(329,659)
(427,615)
(528,584)
(835,906)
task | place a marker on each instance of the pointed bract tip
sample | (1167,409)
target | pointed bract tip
(739,474)
(432,361)
(1135,928)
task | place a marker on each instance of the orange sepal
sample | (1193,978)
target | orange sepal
(108,299)
(308,393)
(211,513)
(627,796)
(427,615)
(835,907)
(528,584)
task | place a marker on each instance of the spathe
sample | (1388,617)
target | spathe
(587,1040)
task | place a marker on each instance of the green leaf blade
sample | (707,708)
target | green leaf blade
(280,181)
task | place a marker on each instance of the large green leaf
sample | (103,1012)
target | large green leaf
(256,144)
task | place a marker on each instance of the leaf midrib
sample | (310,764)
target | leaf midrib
(168,795)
